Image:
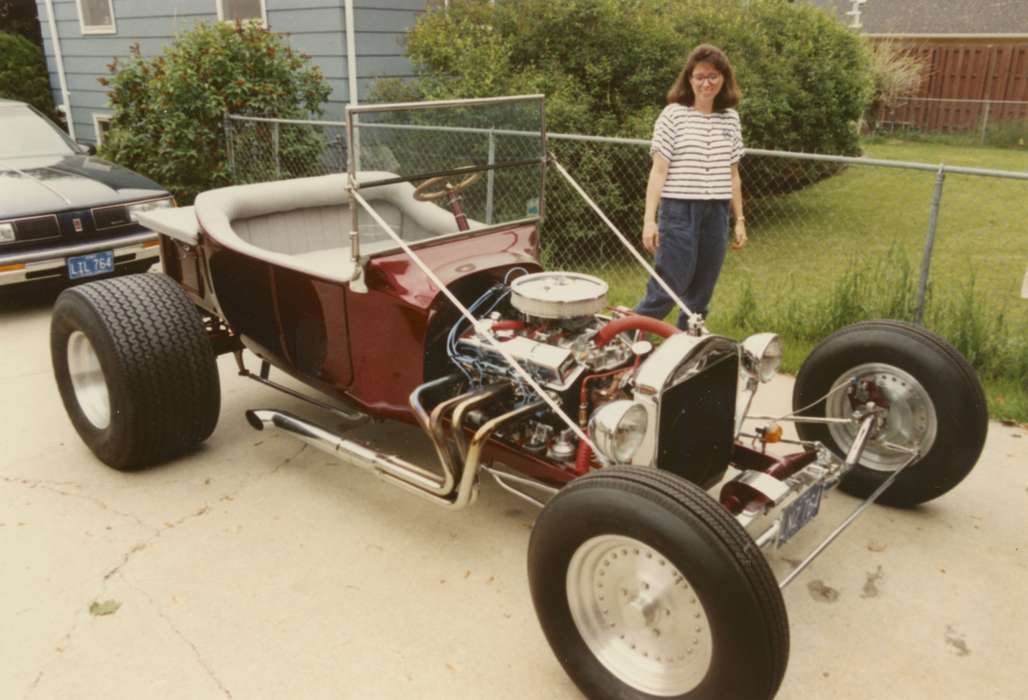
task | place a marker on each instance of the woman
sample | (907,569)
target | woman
(697,144)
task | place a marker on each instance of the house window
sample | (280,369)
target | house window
(96,16)
(243,11)
(102,124)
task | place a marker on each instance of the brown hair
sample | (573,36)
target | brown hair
(681,91)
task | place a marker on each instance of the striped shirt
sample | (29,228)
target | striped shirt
(701,149)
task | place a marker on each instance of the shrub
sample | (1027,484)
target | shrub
(897,73)
(23,74)
(169,110)
(606,66)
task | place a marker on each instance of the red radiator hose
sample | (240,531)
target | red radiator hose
(633,323)
(582,458)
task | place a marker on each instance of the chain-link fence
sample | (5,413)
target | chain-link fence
(995,122)
(832,239)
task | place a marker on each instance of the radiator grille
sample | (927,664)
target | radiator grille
(697,423)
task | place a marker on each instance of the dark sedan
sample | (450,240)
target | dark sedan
(65,214)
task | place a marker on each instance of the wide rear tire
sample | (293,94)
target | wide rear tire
(134,368)
(647,587)
(933,397)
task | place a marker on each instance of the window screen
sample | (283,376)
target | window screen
(96,13)
(232,10)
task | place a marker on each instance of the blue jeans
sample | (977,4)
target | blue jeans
(692,246)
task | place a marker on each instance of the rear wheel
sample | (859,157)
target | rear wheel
(134,368)
(931,395)
(646,587)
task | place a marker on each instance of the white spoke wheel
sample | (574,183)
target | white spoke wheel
(647,587)
(87,381)
(932,400)
(134,368)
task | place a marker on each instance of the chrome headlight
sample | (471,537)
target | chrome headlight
(134,209)
(6,233)
(618,428)
(762,355)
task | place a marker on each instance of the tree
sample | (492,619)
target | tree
(169,110)
(23,74)
(19,17)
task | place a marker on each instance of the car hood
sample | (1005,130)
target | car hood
(45,184)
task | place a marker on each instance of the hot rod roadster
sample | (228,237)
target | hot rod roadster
(404,301)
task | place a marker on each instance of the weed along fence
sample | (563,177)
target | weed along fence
(832,239)
(987,120)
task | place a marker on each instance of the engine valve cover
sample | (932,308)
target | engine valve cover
(554,367)
(558,295)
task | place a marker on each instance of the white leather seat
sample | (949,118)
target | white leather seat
(304,224)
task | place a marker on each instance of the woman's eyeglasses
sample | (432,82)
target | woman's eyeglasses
(712,78)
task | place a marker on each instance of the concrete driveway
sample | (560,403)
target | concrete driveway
(256,568)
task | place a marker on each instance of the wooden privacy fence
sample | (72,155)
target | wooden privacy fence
(965,87)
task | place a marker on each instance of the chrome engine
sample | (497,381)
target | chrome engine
(546,322)
(672,407)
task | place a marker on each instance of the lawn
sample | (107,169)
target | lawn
(850,247)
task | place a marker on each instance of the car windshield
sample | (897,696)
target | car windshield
(25,132)
(469,164)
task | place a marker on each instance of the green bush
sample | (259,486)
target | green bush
(169,110)
(23,74)
(606,66)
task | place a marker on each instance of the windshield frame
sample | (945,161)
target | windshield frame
(73,148)
(354,183)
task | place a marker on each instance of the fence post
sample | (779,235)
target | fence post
(926,261)
(985,120)
(274,150)
(230,152)
(489,178)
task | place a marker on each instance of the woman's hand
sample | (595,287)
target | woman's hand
(740,234)
(651,237)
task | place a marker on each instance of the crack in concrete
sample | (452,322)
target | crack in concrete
(140,546)
(286,461)
(61,647)
(52,487)
(36,482)
(127,557)
(181,635)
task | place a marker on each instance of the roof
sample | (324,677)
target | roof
(4,102)
(934,18)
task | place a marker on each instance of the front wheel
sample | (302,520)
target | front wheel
(646,587)
(932,400)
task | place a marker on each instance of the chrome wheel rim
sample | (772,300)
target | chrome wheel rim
(87,381)
(910,422)
(639,615)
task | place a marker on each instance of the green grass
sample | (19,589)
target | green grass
(850,247)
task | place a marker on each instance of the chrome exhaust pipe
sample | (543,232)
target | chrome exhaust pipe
(363,457)
(391,468)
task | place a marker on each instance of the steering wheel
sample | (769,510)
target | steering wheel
(424,192)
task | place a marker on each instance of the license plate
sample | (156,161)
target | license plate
(800,512)
(91,265)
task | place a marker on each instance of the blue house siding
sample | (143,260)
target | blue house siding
(315,27)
